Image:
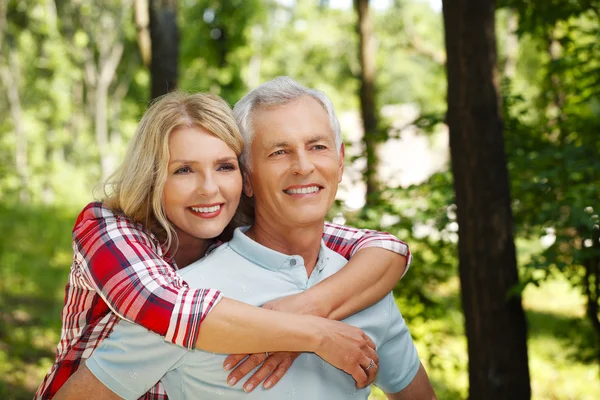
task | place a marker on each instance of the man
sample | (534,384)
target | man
(294,162)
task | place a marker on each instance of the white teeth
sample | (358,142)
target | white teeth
(304,190)
(206,209)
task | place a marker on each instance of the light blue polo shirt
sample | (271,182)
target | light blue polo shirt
(132,359)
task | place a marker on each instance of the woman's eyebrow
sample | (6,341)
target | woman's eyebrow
(182,161)
(226,159)
(219,160)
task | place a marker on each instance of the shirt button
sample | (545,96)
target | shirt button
(292,262)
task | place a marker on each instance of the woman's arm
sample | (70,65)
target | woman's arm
(377,260)
(126,267)
(367,278)
(345,347)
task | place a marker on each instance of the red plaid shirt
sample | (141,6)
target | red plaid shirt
(121,271)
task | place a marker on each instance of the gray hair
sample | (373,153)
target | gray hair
(279,91)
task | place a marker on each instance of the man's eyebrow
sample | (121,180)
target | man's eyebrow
(311,140)
(274,144)
(318,138)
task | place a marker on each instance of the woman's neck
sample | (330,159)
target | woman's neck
(185,254)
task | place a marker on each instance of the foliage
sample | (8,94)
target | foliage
(553,150)
(50,52)
(35,256)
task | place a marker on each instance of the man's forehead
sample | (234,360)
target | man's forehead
(300,107)
(304,117)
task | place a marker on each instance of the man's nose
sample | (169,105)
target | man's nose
(302,164)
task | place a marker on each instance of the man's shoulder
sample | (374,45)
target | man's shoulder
(334,260)
(216,257)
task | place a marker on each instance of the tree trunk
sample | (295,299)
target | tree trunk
(164,36)
(512,45)
(105,77)
(10,76)
(495,322)
(368,110)
(142,24)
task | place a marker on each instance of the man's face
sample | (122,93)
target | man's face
(295,166)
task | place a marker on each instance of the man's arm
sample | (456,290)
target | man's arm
(132,359)
(84,385)
(418,389)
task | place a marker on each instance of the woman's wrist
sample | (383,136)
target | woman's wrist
(308,302)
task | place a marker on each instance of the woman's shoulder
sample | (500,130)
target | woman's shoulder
(96,219)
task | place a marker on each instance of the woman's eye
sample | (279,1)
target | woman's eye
(227,167)
(183,170)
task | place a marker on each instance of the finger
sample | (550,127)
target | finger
(372,374)
(269,366)
(360,376)
(370,342)
(232,360)
(369,364)
(253,361)
(281,370)
(372,355)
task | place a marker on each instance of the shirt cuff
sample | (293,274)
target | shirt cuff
(191,307)
(395,246)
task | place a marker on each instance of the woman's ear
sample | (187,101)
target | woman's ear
(247,185)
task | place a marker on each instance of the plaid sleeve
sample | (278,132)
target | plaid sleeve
(125,267)
(346,241)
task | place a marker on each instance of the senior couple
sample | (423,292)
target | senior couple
(293,163)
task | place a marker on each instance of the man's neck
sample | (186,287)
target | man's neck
(304,241)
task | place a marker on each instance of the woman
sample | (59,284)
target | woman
(127,250)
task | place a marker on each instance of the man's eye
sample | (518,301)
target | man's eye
(183,170)
(227,167)
(277,153)
(320,147)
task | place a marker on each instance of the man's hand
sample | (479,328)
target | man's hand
(274,366)
(277,364)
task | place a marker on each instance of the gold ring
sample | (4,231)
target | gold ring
(370,365)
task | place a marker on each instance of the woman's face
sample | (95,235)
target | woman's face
(203,185)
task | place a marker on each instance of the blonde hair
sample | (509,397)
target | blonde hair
(136,188)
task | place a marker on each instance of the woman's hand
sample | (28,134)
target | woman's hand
(343,346)
(349,349)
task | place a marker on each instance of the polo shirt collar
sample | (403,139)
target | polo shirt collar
(265,257)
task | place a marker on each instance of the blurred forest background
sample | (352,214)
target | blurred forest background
(76,75)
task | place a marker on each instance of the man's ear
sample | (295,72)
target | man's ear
(341,162)
(247,185)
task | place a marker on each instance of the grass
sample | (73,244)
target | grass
(35,256)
